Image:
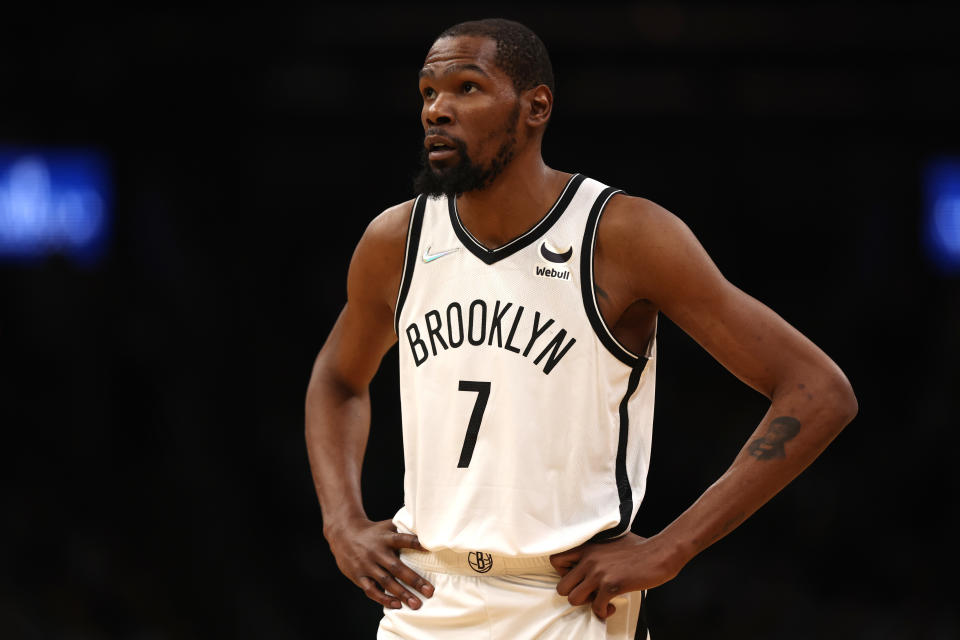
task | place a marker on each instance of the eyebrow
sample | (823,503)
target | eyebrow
(463,66)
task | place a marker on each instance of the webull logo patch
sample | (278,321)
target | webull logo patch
(550,272)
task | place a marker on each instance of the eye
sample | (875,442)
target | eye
(469,87)
(428,93)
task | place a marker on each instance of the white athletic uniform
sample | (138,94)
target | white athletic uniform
(526,424)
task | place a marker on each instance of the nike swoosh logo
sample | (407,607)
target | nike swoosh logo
(555,257)
(430,257)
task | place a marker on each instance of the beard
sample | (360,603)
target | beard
(465,175)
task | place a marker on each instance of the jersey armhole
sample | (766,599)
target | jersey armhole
(588,290)
(409,256)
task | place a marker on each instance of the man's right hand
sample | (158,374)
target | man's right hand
(368,553)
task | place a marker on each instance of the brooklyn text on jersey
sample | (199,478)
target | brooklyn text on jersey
(478,332)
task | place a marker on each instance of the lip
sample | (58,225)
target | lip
(439,154)
(433,139)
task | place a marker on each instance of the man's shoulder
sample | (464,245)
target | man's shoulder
(390,226)
(632,219)
(378,258)
(637,236)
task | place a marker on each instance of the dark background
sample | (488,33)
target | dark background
(155,479)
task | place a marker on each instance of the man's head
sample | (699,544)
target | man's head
(520,53)
(487,89)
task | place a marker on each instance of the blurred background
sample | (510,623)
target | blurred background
(180,193)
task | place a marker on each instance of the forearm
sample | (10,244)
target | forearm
(337,427)
(337,422)
(802,420)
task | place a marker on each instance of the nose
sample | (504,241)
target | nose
(438,111)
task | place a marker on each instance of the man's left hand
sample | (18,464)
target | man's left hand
(600,571)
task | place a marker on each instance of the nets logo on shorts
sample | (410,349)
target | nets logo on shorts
(479,561)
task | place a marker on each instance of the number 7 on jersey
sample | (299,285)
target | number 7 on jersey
(482,390)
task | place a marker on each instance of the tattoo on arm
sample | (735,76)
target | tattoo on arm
(770,445)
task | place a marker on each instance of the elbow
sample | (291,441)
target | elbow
(853,405)
(844,401)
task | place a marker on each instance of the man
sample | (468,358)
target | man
(525,300)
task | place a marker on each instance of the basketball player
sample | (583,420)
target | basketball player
(525,301)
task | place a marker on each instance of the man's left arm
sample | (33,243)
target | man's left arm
(653,256)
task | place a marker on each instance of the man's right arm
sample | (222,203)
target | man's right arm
(337,416)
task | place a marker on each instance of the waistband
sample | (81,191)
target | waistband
(475,563)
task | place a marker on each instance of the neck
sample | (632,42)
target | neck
(514,202)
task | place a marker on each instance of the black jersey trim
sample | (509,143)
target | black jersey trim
(490,256)
(587,288)
(624,490)
(410,256)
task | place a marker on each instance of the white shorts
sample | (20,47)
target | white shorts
(479,596)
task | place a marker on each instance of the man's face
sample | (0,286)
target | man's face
(469,116)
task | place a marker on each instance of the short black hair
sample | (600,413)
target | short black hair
(520,53)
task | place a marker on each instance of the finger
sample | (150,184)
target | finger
(610,611)
(601,602)
(373,591)
(563,565)
(566,559)
(405,541)
(401,571)
(583,593)
(571,579)
(389,584)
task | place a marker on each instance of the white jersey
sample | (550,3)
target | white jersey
(526,424)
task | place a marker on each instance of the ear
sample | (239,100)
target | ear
(540,101)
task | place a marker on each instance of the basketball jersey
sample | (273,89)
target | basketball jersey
(526,424)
